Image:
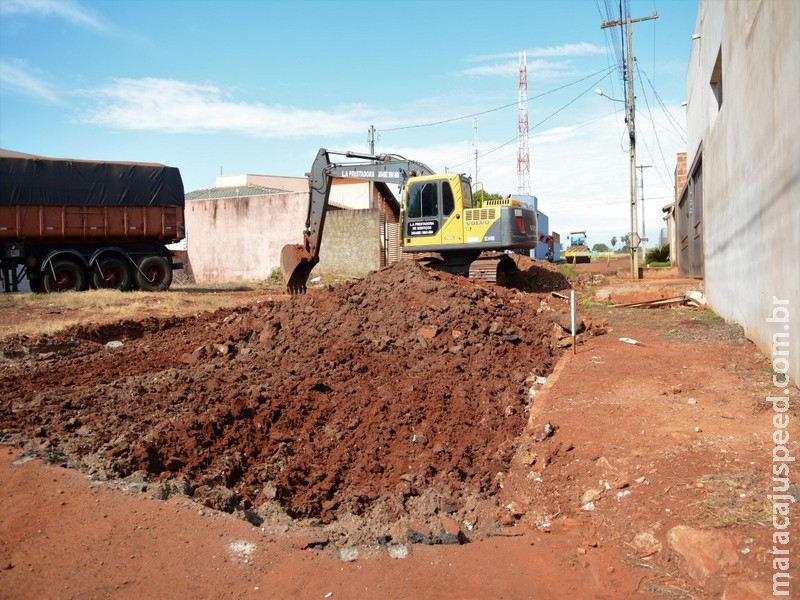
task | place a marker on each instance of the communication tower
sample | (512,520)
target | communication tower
(523,156)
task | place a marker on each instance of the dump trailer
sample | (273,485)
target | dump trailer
(67,224)
(438,217)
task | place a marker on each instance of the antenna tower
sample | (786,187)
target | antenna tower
(523,156)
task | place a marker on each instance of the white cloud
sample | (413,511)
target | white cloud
(578,49)
(540,61)
(540,69)
(65,9)
(16,77)
(170,106)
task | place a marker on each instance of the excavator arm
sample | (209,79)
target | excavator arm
(297,260)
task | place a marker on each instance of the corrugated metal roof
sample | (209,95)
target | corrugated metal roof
(239,191)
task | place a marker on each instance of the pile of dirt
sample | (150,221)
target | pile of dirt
(535,276)
(403,392)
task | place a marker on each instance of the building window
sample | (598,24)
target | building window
(716,79)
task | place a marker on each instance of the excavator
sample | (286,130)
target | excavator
(438,216)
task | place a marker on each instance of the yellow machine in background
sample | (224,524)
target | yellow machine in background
(437,215)
(577,251)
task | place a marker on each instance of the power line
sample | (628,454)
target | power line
(547,118)
(675,124)
(573,127)
(612,50)
(491,110)
(657,139)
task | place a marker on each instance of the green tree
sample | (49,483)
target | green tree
(614,242)
(658,254)
(480,196)
(600,248)
(625,239)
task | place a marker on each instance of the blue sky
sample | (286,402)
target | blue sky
(260,86)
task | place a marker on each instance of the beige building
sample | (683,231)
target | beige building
(738,215)
(235,231)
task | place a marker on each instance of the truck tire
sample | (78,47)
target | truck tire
(111,273)
(154,274)
(36,284)
(63,276)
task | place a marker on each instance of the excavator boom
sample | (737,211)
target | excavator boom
(297,260)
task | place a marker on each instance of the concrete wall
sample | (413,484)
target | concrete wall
(240,239)
(750,155)
(351,243)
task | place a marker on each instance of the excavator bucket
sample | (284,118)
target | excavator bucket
(296,264)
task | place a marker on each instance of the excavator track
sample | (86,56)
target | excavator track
(495,268)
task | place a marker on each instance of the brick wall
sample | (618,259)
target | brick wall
(680,174)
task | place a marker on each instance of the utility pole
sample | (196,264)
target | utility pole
(630,102)
(644,231)
(372,139)
(371,184)
(475,125)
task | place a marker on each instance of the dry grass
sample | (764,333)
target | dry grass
(665,588)
(733,499)
(664,579)
(39,314)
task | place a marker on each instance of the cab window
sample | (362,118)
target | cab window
(414,205)
(466,194)
(448,202)
(430,200)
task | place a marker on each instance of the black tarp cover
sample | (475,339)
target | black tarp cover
(31,180)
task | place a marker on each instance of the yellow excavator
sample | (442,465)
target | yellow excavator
(438,216)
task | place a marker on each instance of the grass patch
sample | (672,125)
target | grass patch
(587,297)
(707,316)
(658,263)
(776,376)
(733,500)
(275,277)
(665,588)
(569,272)
(46,314)
(664,579)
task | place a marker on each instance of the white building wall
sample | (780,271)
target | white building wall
(751,162)
(350,194)
(289,184)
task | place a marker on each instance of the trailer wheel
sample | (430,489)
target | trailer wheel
(154,274)
(111,273)
(63,276)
